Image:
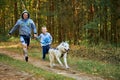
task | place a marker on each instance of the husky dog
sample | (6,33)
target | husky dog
(58,52)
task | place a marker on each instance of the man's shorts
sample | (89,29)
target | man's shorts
(25,39)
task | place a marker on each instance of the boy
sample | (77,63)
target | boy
(45,41)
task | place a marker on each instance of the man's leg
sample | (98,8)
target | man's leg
(25,51)
(22,39)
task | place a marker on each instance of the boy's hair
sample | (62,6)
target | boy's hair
(44,27)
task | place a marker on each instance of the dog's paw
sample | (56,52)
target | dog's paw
(62,65)
(54,64)
(51,66)
(67,67)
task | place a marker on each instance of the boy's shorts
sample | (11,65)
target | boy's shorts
(25,39)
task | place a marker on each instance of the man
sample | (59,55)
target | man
(25,25)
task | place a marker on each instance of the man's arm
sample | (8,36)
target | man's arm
(14,28)
(34,28)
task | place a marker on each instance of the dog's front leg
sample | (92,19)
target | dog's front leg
(59,60)
(65,60)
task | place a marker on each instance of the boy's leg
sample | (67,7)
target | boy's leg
(48,47)
(43,52)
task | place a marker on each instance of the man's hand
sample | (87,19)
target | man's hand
(35,35)
(9,34)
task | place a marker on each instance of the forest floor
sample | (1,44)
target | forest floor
(8,72)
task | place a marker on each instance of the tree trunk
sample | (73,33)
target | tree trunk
(15,15)
(116,20)
(39,18)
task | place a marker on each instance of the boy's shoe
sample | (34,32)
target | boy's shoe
(26,58)
(43,59)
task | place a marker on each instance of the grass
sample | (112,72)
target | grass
(106,70)
(31,69)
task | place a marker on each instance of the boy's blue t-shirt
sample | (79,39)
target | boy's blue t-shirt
(45,39)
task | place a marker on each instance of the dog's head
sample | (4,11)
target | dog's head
(64,46)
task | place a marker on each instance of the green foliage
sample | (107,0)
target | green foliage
(102,59)
(72,18)
(13,39)
(91,25)
(3,37)
(2,2)
(97,68)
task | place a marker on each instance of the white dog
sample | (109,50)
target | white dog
(58,52)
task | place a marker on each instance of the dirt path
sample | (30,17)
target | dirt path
(9,73)
(58,70)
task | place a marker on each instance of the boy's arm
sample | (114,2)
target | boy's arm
(38,38)
(14,28)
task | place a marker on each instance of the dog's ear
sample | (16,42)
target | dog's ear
(66,41)
(62,43)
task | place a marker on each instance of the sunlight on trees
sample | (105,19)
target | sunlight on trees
(75,21)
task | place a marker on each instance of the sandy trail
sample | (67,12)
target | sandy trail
(7,72)
(58,70)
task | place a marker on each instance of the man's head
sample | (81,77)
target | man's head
(25,15)
(44,29)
